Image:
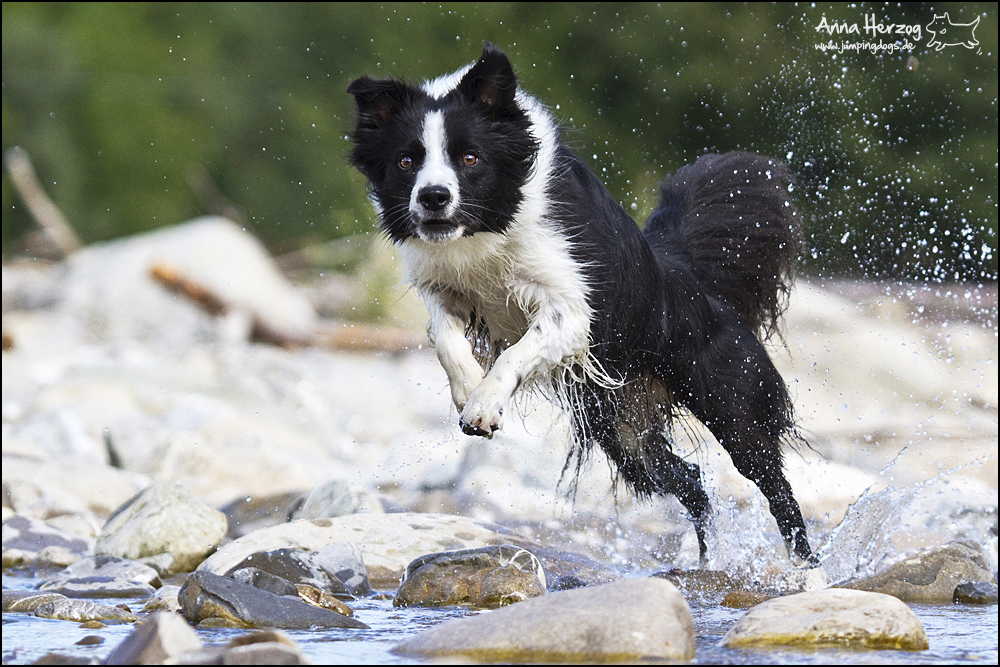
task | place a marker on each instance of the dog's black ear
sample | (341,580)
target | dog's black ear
(491,81)
(377,99)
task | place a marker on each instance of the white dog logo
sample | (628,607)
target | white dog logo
(952,34)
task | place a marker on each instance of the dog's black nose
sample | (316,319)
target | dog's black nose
(434,197)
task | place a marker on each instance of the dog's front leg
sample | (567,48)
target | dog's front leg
(557,331)
(449,318)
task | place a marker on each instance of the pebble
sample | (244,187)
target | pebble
(931,576)
(164,599)
(831,617)
(205,595)
(164,518)
(487,577)
(621,621)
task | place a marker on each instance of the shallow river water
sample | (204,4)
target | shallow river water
(958,635)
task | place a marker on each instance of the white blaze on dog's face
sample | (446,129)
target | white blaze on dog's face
(436,196)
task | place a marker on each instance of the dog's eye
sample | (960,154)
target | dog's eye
(470,159)
(405,163)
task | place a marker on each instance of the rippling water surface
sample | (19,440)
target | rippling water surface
(958,634)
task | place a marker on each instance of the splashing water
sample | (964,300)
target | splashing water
(861,541)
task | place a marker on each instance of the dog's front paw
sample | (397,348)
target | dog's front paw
(483,414)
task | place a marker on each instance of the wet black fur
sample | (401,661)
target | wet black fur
(680,308)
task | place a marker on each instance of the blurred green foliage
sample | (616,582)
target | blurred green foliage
(896,158)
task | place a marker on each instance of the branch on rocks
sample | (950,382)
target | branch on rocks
(48,216)
(358,337)
(211,303)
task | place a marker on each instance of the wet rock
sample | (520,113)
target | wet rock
(567,582)
(930,576)
(160,637)
(27,601)
(708,586)
(206,595)
(278,586)
(51,558)
(164,518)
(975,592)
(832,617)
(319,598)
(336,497)
(343,560)
(744,599)
(488,577)
(574,570)
(164,599)
(388,542)
(90,640)
(295,566)
(265,581)
(103,577)
(251,513)
(621,621)
(264,647)
(26,538)
(101,587)
(265,653)
(81,611)
(53,658)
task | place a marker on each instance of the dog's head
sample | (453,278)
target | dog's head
(448,159)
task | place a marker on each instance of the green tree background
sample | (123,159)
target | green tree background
(896,153)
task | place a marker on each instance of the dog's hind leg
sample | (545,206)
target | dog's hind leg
(766,473)
(736,391)
(683,479)
(631,431)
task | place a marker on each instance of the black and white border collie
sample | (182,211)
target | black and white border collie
(535,276)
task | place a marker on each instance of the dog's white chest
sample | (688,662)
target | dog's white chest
(507,279)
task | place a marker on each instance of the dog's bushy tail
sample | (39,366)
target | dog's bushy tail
(732,218)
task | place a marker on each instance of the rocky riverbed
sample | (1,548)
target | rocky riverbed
(184,426)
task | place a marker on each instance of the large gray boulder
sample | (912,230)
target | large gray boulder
(831,617)
(165,518)
(622,621)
